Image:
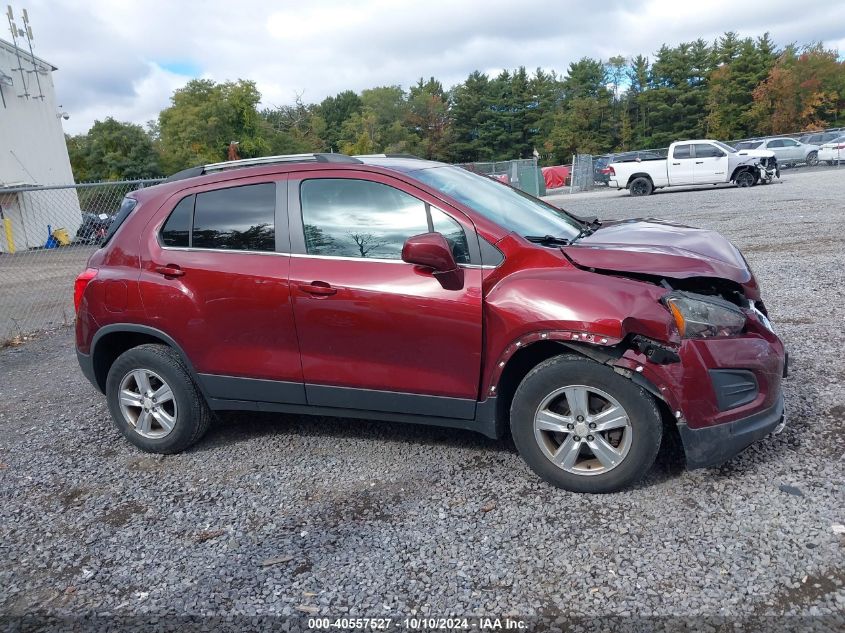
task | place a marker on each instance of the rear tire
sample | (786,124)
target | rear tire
(154,401)
(641,187)
(548,412)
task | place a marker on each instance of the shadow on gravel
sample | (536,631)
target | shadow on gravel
(233,427)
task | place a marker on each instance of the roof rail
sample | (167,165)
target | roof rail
(386,156)
(212,168)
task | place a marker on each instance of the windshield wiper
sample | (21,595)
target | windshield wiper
(591,225)
(547,239)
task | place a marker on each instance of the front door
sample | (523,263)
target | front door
(214,276)
(711,164)
(792,150)
(377,333)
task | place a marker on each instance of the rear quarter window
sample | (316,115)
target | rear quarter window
(176,232)
(126,207)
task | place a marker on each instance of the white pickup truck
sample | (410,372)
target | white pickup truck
(702,162)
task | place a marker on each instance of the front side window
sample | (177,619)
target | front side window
(343,217)
(454,234)
(787,142)
(705,150)
(681,151)
(236,218)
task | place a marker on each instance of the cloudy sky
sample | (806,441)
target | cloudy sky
(124,59)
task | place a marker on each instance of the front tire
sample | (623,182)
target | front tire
(813,159)
(582,427)
(154,401)
(745,179)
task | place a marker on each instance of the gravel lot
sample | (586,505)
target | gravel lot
(36,288)
(286,515)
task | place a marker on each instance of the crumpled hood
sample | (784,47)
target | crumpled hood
(656,247)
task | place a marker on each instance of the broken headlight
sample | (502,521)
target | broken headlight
(700,316)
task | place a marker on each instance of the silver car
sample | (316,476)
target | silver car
(791,152)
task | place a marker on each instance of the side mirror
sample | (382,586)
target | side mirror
(431,250)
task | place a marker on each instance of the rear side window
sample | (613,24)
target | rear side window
(126,207)
(176,231)
(681,151)
(237,218)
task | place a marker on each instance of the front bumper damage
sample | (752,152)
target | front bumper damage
(724,394)
(714,445)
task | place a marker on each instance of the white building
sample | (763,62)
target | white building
(32,153)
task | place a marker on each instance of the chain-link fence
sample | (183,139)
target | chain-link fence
(583,173)
(522,174)
(46,236)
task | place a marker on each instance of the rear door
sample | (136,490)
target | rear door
(682,165)
(711,164)
(377,333)
(214,276)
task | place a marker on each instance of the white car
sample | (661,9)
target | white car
(833,152)
(787,150)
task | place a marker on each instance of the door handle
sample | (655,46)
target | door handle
(170,270)
(318,288)
(676,163)
(699,162)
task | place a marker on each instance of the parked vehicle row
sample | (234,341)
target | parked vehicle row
(697,162)
(406,290)
(787,150)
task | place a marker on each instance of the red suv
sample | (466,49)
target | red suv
(400,289)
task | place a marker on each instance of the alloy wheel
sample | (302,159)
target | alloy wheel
(147,404)
(583,430)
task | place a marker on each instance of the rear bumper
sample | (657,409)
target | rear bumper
(86,363)
(714,445)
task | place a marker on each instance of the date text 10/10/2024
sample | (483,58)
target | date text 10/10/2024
(419,624)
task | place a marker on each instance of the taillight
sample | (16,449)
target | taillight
(840,147)
(79,286)
(611,171)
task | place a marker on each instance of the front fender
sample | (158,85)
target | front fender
(569,304)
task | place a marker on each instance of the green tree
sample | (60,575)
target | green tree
(295,128)
(204,117)
(428,117)
(334,111)
(470,113)
(731,87)
(112,150)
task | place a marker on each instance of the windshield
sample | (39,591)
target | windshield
(507,207)
(727,148)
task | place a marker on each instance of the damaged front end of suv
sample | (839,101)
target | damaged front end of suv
(678,312)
